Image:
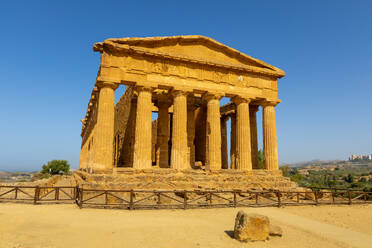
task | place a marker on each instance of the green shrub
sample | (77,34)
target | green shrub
(56,167)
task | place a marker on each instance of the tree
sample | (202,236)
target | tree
(349,178)
(55,167)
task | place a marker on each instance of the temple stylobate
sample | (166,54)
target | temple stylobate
(182,79)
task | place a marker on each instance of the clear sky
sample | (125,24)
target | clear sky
(48,68)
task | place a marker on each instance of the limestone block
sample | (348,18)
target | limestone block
(251,227)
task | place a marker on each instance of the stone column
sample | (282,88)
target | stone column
(104,130)
(213,132)
(270,146)
(190,131)
(254,143)
(143,129)
(243,137)
(162,153)
(179,131)
(224,157)
(233,142)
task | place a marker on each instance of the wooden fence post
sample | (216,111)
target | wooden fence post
(279,203)
(81,197)
(158,200)
(256,196)
(16,193)
(36,196)
(77,195)
(56,196)
(365,197)
(234,199)
(131,199)
(185,199)
(349,196)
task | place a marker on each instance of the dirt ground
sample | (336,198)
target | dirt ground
(23,226)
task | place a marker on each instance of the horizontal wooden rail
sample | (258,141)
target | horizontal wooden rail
(183,199)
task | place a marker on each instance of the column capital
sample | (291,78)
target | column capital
(163,100)
(143,88)
(104,84)
(270,103)
(176,92)
(240,99)
(212,96)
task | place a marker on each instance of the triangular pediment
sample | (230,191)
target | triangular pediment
(194,47)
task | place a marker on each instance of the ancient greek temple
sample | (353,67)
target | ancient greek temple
(182,79)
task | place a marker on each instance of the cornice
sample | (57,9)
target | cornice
(120,45)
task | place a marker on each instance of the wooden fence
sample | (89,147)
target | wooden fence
(182,199)
(38,194)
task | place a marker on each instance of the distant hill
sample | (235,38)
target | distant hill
(15,176)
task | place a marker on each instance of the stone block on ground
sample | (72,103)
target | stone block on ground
(251,227)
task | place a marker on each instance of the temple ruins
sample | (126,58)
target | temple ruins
(182,79)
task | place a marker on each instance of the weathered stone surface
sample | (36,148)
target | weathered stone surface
(251,227)
(182,79)
(275,230)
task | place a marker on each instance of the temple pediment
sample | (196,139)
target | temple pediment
(193,48)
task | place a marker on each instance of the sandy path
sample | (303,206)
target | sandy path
(23,226)
(338,234)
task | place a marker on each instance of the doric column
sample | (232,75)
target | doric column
(224,157)
(213,132)
(190,131)
(143,129)
(254,143)
(162,153)
(104,130)
(179,131)
(233,142)
(270,146)
(243,137)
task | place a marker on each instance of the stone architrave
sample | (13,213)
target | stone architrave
(213,131)
(253,126)
(270,147)
(104,134)
(143,144)
(243,136)
(179,131)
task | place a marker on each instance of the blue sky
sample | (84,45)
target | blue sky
(48,68)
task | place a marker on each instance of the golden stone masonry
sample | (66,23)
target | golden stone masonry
(182,78)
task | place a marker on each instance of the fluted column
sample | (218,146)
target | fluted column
(190,131)
(233,142)
(243,137)
(179,131)
(104,130)
(162,153)
(254,143)
(213,132)
(270,146)
(224,157)
(143,130)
